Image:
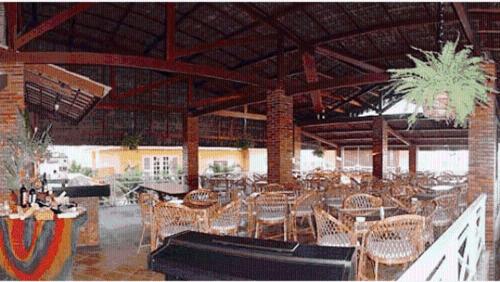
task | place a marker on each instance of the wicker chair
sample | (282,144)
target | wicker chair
(170,219)
(362,201)
(201,197)
(393,241)
(271,208)
(226,220)
(302,208)
(274,187)
(330,231)
(427,209)
(446,211)
(146,203)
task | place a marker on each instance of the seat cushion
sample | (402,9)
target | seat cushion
(391,248)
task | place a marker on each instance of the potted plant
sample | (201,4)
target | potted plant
(244,143)
(132,141)
(319,152)
(447,85)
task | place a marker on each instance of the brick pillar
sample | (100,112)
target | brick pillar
(190,151)
(297,146)
(412,159)
(483,164)
(379,147)
(11,99)
(279,137)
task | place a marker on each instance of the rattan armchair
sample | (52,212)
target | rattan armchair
(271,208)
(330,231)
(201,197)
(427,209)
(362,201)
(393,241)
(226,220)
(146,203)
(303,208)
(446,211)
(169,219)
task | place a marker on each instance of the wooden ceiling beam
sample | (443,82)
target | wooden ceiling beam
(466,25)
(319,139)
(141,108)
(346,59)
(224,43)
(88,58)
(51,23)
(11,14)
(234,114)
(397,135)
(170,21)
(311,74)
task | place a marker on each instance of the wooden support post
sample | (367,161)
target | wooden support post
(190,151)
(11,14)
(483,157)
(412,158)
(170,42)
(297,146)
(379,147)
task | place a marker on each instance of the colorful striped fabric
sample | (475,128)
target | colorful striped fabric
(38,250)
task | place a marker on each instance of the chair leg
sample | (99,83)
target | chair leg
(294,228)
(257,230)
(311,225)
(376,270)
(285,230)
(142,238)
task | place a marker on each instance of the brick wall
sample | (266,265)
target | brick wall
(190,151)
(279,137)
(297,145)
(483,164)
(379,147)
(11,98)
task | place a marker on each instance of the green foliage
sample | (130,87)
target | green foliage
(319,152)
(22,150)
(244,143)
(218,168)
(132,141)
(77,168)
(456,73)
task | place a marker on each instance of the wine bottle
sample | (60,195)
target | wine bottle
(23,196)
(32,196)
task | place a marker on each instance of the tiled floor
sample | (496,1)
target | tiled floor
(116,258)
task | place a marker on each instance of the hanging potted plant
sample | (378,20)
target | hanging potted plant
(319,152)
(132,141)
(446,85)
(244,143)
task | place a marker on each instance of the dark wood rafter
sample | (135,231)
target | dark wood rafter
(150,86)
(11,14)
(140,107)
(466,25)
(319,139)
(171,28)
(310,71)
(51,23)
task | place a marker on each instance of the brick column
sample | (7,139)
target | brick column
(412,159)
(297,146)
(190,151)
(379,147)
(483,165)
(279,137)
(11,98)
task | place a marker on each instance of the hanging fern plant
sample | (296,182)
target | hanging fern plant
(244,143)
(132,141)
(319,152)
(447,85)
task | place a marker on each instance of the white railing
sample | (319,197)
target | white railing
(455,254)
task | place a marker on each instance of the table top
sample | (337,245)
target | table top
(168,188)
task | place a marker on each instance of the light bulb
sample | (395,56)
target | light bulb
(56,107)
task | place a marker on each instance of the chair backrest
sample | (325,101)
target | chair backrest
(330,231)
(396,237)
(448,204)
(306,201)
(228,215)
(274,187)
(201,196)
(172,218)
(271,203)
(146,203)
(362,201)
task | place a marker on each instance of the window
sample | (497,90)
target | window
(158,166)
(220,163)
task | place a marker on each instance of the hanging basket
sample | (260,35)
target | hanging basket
(439,109)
